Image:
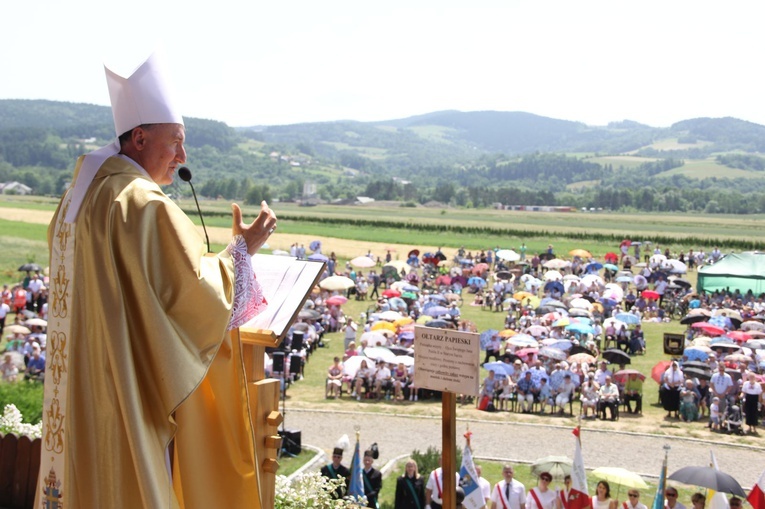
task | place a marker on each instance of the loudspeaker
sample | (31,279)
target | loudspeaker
(295,364)
(278,365)
(297,340)
(674,344)
(291,440)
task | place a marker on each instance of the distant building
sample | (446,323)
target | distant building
(15,188)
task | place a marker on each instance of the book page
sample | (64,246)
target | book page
(286,283)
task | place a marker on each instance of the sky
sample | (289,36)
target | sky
(282,62)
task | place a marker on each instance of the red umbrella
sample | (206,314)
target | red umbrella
(443,279)
(413,252)
(626,241)
(611,257)
(525,352)
(707,327)
(657,372)
(650,294)
(337,300)
(739,336)
(480,268)
(391,293)
(621,376)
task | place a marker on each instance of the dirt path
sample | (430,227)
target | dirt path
(399,434)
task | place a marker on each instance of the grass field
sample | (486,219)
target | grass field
(707,169)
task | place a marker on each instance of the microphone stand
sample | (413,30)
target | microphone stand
(185,174)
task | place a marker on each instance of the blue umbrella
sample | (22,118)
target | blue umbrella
(436,311)
(593,267)
(580,328)
(611,266)
(554,285)
(318,257)
(439,324)
(410,288)
(556,379)
(486,336)
(478,281)
(499,368)
(397,302)
(436,297)
(608,302)
(624,279)
(315,245)
(628,318)
(563,344)
(694,354)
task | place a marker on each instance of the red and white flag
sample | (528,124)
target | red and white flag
(578,473)
(757,495)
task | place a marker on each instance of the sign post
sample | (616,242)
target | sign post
(447,361)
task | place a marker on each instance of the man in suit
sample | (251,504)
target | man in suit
(372,480)
(336,470)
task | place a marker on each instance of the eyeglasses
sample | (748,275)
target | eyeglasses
(545,479)
(672,495)
(634,495)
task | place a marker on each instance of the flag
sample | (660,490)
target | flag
(658,500)
(578,473)
(757,495)
(469,482)
(356,488)
(717,500)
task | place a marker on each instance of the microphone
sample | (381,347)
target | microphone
(185,175)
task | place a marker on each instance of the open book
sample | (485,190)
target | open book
(286,283)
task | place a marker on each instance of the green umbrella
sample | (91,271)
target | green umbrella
(557,466)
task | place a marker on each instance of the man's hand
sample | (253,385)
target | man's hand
(256,233)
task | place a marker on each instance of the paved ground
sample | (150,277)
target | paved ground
(520,442)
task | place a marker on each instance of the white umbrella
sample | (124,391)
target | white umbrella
(657,259)
(406,360)
(581,304)
(618,324)
(508,255)
(374,338)
(390,316)
(753,325)
(589,279)
(556,263)
(353,364)
(614,292)
(553,275)
(571,277)
(363,262)
(379,353)
(675,266)
(336,283)
(35,322)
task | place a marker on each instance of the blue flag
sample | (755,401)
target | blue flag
(658,500)
(356,489)
(469,482)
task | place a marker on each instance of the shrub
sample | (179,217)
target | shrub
(27,396)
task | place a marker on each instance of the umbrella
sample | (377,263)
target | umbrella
(580,328)
(557,379)
(553,275)
(537,330)
(409,295)
(554,285)
(363,262)
(336,283)
(480,268)
(436,311)
(581,253)
(657,372)
(400,322)
(579,312)
(398,265)
(624,279)
(611,267)
(628,318)
(379,353)
(620,476)
(280,252)
(701,374)
(557,466)
(336,300)
(500,368)
(28,267)
(443,280)
(309,314)
(383,325)
(556,263)
(708,477)
(318,257)
(485,337)
(650,294)
(581,358)
(17,329)
(477,281)
(675,267)
(622,375)
(581,303)
(576,349)
(406,360)
(692,318)
(413,252)
(508,255)
(553,353)
(390,292)
(439,324)
(373,338)
(390,315)
(696,353)
(615,356)
(315,245)
(507,333)
(504,274)
(352,365)
(562,322)
(611,257)
(709,328)
(736,335)
(522,340)
(525,352)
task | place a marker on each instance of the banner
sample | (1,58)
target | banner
(469,482)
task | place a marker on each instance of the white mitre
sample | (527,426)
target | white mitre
(143,98)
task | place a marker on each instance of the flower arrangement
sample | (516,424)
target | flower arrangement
(11,422)
(310,490)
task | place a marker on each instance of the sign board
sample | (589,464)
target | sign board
(447,360)
(674,344)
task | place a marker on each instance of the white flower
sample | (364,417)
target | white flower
(11,422)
